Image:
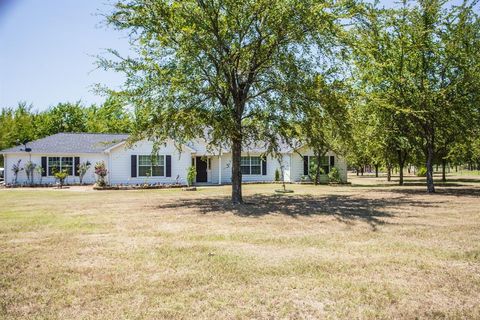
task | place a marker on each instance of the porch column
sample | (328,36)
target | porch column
(219,168)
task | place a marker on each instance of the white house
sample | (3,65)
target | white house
(135,164)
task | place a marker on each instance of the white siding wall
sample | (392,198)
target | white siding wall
(272,165)
(297,164)
(12,159)
(120,162)
(119,166)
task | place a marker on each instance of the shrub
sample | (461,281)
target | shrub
(191,175)
(101,172)
(277,175)
(60,176)
(16,169)
(334,175)
(313,170)
(30,170)
(82,170)
(422,172)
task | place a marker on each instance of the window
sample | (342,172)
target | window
(324,164)
(151,166)
(60,164)
(251,165)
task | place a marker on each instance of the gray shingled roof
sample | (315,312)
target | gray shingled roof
(72,143)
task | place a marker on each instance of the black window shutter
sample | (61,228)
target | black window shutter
(133,166)
(44,166)
(76,165)
(332,161)
(168,162)
(305,165)
(264,166)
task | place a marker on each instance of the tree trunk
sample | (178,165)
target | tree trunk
(376,170)
(317,168)
(236,172)
(400,182)
(429,165)
(444,176)
(401,163)
(358,171)
(361,170)
(389,173)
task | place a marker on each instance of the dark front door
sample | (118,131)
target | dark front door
(201,170)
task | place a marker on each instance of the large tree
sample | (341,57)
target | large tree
(420,64)
(233,67)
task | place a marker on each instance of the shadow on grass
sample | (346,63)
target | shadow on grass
(346,209)
(464,191)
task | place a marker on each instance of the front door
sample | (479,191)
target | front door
(201,170)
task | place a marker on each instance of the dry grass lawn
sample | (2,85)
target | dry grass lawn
(347,252)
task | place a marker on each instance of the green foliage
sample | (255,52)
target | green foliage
(422,172)
(110,117)
(417,65)
(315,170)
(22,124)
(191,175)
(334,175)
(60,176)
(243,70)
(277,175)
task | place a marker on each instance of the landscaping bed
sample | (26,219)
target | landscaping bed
(139,186)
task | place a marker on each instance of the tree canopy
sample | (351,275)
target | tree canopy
(239,69)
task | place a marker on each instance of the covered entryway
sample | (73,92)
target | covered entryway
(201,166)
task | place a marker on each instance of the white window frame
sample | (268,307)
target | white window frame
(250,166)
(151,165)
(60,165)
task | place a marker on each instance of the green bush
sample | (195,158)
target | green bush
(422,172)
(60,176)
(334,175)
(277,175)
(191,175)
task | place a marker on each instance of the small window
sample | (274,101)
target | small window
(251,165)
(151,166)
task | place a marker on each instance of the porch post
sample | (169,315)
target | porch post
(219,168)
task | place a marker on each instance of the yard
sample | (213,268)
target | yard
(361,251)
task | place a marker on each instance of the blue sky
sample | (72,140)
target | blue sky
(46,49)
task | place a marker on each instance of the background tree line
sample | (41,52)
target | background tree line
(417,70)
(23,123)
